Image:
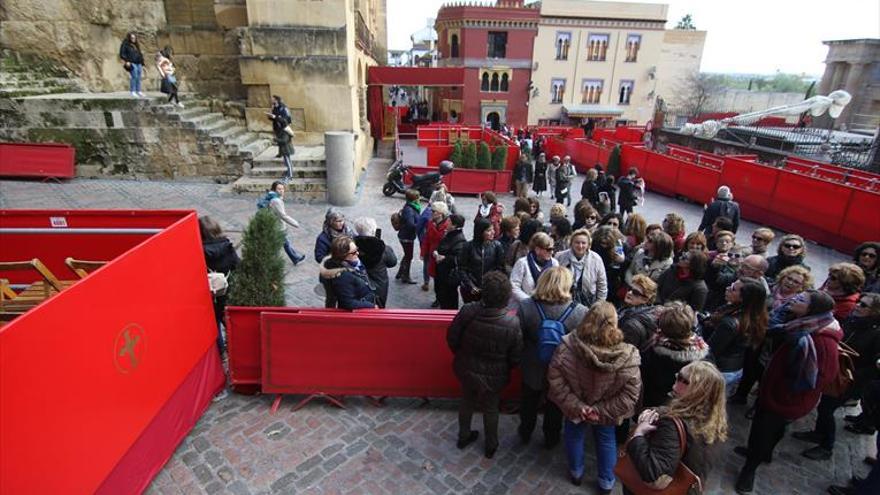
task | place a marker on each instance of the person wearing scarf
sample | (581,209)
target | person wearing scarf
(334,226)
(491,210)
(526,271)
(409,219)
(804,363)
(346,276)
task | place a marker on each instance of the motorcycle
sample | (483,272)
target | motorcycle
(399,174)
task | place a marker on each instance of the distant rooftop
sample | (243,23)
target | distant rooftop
(867,41)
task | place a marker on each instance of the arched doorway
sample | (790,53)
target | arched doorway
(494,120)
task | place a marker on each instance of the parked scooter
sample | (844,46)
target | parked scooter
(399,175)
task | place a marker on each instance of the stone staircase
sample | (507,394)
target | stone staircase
(309,180)
(25,75)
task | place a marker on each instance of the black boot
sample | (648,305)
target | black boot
(745,482)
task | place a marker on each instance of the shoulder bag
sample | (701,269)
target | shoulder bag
(680,483)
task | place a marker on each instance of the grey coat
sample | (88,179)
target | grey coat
(533,371)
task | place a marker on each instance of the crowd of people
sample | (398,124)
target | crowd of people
(640,333)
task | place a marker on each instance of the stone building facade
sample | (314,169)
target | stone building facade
(606,61)
(314,54)
(854,66)
(493,43)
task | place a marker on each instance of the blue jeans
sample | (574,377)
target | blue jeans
(606,450)
(731,380)
(291,252)
(286,159)
(134,84)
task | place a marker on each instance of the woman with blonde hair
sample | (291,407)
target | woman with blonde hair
(594,379)
(698,404)
(844,283)
(673,224)
(552,299)
(792,251)
(526,270)
(789,283)
(634,228)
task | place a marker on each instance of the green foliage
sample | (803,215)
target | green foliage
(457,154)
(484,157)
(687,23)
(777,83)
(470,156)
(499,157)
(259,278)
(614,162)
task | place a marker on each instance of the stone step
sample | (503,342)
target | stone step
(17,92)
(300,153)
(308,139)
(216,128)
(231,132)
(257,147)
(36,81)
(243,140)
(300,189)
(205,121)
(298,172)
(192,112)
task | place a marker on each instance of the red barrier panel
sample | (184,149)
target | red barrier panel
(360,353)
(634,156)
(862,220)
(37,160)
(473,181)
(697,182)
(600,134)
(753,187)
(90,380)
(437,153)
(663,173)
(629,134)
(812,208)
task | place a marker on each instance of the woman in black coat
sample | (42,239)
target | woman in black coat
(683,281)
(220,257)
(791,251)
(540,184)
(672,348)
(487,344)
(347,276)
(447,279)
(481,255)
(698,405)
(133,62)
(376,256)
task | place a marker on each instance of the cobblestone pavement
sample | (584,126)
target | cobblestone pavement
(405,447)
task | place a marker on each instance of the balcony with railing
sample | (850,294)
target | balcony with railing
(364,37)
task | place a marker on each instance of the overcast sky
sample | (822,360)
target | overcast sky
(744,36)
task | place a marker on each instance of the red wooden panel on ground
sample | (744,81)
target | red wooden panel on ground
(663,173)
(437,153)
(85,374)
(363,353)
(37,160)
(472,181)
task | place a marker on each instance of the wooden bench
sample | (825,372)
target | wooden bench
(83,267)
(13,304)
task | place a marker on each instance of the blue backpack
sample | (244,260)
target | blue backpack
(264,201)
(550,332)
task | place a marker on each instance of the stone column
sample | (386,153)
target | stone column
(339,157)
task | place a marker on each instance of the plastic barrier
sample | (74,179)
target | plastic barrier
(98,381)
(813,208)
(47,160)
(697,181)
(663,171)
(437,153)
(473,181)
(753,186)
(862,220)
(360,353)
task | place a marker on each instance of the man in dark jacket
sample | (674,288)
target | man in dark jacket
(376,256)
(523,175)
(487,344)
(626,196)
(725,206)
(450,248)
(280,117)
(409,219)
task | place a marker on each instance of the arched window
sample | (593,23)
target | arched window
(484,85)
(504,82)
(453,42)
(494,82)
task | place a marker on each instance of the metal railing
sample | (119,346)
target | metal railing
(364,37)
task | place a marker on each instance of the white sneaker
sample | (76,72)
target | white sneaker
(134,95)
(179,105)
(142,94)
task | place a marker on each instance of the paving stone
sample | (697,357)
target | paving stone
(214,487)
(203,474)
(213,458)
(309,463)
(329,451)
(282,483)
(310,479)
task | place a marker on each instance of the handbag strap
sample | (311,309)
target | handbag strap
(682,435)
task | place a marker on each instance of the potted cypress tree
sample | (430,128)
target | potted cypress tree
(259,278)
(484,157)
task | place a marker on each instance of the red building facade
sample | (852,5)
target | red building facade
(494,46)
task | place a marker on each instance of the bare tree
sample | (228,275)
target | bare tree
(696,92)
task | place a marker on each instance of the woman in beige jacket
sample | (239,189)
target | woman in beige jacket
(594,379)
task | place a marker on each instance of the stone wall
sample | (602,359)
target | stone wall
(84,36)
(120,137)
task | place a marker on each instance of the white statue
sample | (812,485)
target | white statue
(834,104)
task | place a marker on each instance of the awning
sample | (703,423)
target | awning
(416,76)
(592,111)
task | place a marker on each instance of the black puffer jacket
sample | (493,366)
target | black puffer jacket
(477,259)
(691,292)
(129,52)
(451,246)
(638,324)
(220,255)
(727,344)
(487,344)
(659,452)
(352,288)
(776,264)
(663,359)
(378,258)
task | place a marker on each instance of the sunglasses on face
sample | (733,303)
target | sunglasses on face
(636,292)
(681,379)
(736,256)
(791,246)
